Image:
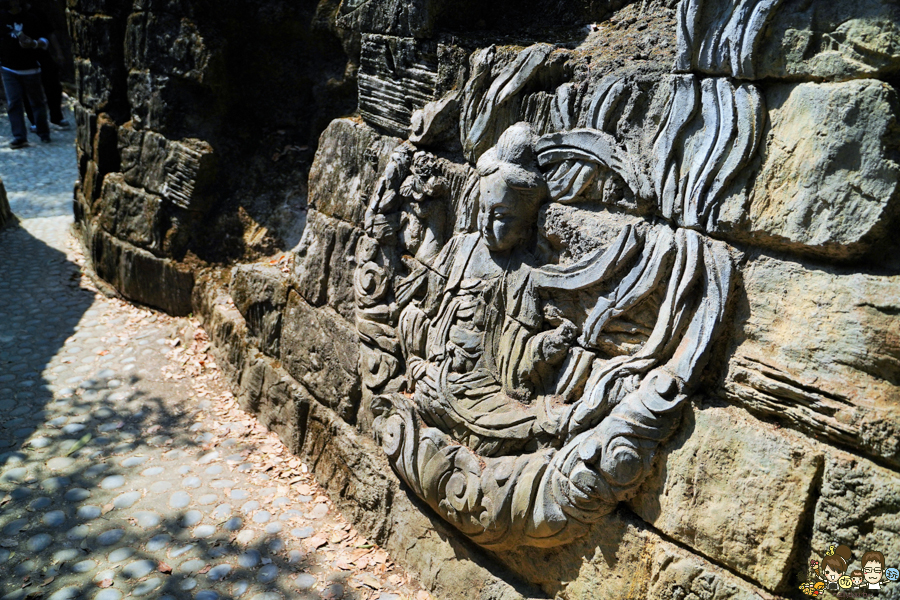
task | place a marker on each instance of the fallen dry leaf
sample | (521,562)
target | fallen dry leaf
(205,570)
(369,580)
(105,583)
(164,568)
(316,541)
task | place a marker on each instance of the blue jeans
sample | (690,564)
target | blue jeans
(16,87)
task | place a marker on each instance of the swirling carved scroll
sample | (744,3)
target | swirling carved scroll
(516,421)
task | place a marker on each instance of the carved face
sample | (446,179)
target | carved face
(504,220)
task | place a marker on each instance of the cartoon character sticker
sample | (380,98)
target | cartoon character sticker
(834,565)
(834,574)
(873,569)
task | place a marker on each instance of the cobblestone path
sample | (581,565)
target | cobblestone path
(125,467)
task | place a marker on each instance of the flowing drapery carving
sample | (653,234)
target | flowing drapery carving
(518,422)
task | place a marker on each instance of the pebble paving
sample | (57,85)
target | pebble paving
(111,483)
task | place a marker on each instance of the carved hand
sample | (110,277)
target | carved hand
(556,343)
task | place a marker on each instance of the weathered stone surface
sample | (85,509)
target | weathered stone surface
(734,489)
(6,216)
(830,178)
(180,171)
(519,315)
(350,162)
(323,265)
(396,77)
(282,404)
(832,40)
(223,322)
(819,349)
(625,559)
(169,44)
(260,294)
(320,349)
(859,506)
(131,214)
(140,276)
(791,39)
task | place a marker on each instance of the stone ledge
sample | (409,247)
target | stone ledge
(140,276)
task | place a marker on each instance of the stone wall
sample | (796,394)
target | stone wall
(6,215)
(553,298)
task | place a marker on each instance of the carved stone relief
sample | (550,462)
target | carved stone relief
(522,400)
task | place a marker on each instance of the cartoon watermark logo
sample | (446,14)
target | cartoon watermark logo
(838,575)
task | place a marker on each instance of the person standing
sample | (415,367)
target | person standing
(22,34)
(50,60)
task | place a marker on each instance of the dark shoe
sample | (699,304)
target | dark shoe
(64,124)
(16,144)
(32,128)
(45,139)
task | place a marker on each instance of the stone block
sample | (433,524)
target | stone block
(395,17)
(168,44)
(94,38)
(735,490)
(140,276)
(281,404)
(321,350)
(260,294)
(131,214)
(180,171)
(794,39)
(818,348)
(830,179)
(223,323)
(325,263)
(85,130)
(95,85)
(396,77)
(350,159)
(105,145)
(624,558)
(166,104)
(859,505)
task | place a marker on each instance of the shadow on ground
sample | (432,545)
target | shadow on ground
(108,487)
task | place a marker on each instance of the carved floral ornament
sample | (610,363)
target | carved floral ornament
(518,418)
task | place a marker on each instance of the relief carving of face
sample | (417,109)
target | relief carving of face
(503,219)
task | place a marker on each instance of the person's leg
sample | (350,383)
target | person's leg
(52,88)
(28,112)
(35,92)
(14,109)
